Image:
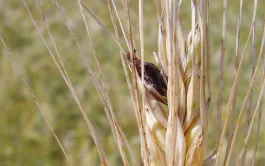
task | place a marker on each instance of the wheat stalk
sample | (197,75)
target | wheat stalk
(169,98)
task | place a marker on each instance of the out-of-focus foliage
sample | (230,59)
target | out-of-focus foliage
(26,138)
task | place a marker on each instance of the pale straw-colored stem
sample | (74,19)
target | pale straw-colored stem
(142,113)
(259,119)
(233,111)
(221,78)
(248,118)
(203,114)
(208,51)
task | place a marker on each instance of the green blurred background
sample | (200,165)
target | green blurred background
(25,138)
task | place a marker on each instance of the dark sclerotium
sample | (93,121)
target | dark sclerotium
(153,77)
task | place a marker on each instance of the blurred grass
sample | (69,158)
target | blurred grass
(25,137)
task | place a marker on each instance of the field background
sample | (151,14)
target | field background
(25,138)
